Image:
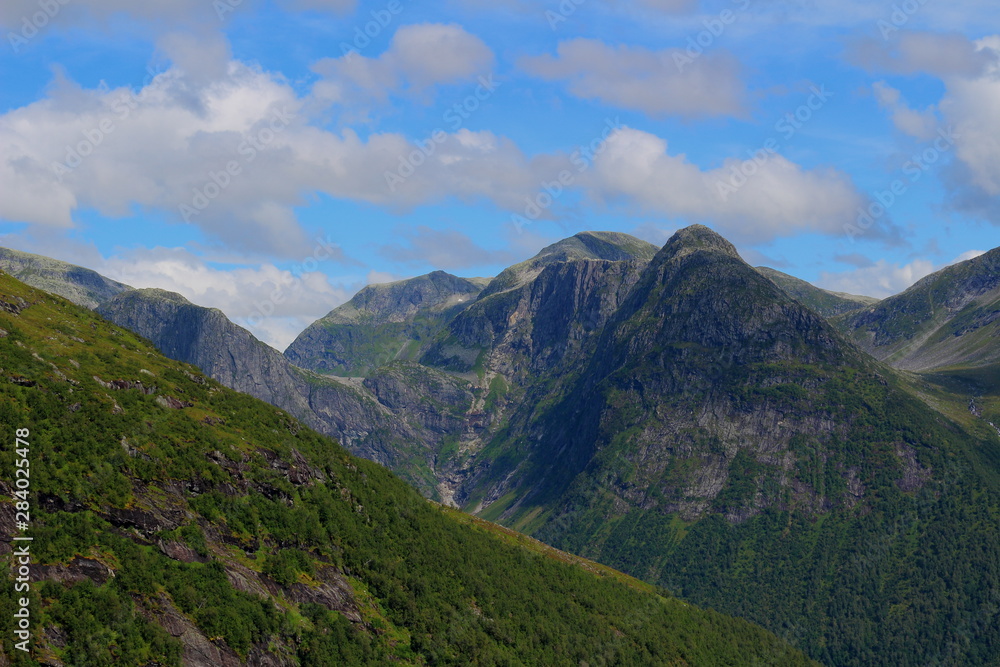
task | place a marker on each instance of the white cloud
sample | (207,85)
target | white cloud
(880,280)
(274,304)
(780,199)
(657,83)
(167,146)
(973,106)
(419,57)
(918,52)
(922,125)
(967,255)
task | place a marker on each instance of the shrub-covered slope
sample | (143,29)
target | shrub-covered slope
(175,520)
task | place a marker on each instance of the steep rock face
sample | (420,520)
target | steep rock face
(382,323)
(698,329)
(826,303)
(207,339)
(950,318)
(532,328)
(81,286)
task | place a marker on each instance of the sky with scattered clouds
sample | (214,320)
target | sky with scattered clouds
(272,157)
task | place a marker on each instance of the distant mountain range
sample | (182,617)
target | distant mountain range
(732,433)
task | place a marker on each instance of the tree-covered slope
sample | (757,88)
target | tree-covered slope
(726,442)
(174,520)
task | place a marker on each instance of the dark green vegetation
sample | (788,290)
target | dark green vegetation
(174,519)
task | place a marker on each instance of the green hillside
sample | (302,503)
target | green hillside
(176,520)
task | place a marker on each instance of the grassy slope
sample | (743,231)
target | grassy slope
(119,472)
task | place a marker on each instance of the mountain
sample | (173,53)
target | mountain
(382,323)
(716,437)
(610,246)
(828,304)
(949,319)
(81,286)
(679,415)
(173,520)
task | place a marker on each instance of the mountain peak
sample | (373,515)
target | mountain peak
(163,295)
(614,246)
(694,238)
(608,246)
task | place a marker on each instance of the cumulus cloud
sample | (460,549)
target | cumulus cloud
(881,278)
(419,57)
(658,83)
(921,125)
(779,199)
(916,52)
(973,105)
(233,156)
(273,303)
(969,109)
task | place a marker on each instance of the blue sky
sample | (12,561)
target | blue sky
(271,158)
